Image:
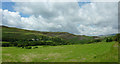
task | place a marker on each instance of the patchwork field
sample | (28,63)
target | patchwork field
(95,52)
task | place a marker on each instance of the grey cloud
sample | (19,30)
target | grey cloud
(90,19)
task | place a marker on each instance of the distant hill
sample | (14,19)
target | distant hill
(12,33)
(108,35)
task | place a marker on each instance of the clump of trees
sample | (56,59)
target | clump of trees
(113,38)
(117,38)
(109,39)
(95,41)
(28,47)
(37,40)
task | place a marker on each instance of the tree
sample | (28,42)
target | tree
(109,40)
(117,38)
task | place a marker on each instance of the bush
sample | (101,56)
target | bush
(5,44)
(109,40)
(35,47)
(28,47)
(90,42)
(117,38)
(98,40)
(54,44)
(23,47)
(94,57)
(19,45)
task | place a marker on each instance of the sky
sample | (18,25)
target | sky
(80,18)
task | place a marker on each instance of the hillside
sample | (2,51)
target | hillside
(37,46)
(11,33)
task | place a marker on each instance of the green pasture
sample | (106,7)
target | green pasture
(95,52)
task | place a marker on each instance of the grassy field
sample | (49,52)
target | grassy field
(96,52)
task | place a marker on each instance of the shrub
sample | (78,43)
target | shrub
(109,40)
(117,38)
(22,46)
(91,42)
(5,44)
(94,57)
(54,44)
(97,40)
(35,47)
(28,47)
(19,45)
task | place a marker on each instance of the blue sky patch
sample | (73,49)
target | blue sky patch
(83,3)
(9,7)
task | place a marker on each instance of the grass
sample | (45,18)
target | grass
(96,52)
(4,42)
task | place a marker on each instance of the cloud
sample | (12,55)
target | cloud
(88,30)
(89,19)
(0,17)
(63,0)
(10,18)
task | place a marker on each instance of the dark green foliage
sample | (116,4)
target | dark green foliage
(109,40)
(23,47)
(97,40)
(5,44)
(38,41)
(117,38)
(35,47)
(28,47)
(94,56)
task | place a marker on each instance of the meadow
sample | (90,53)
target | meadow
(94,52)
(20,45)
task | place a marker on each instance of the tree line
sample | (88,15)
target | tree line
(36,40)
